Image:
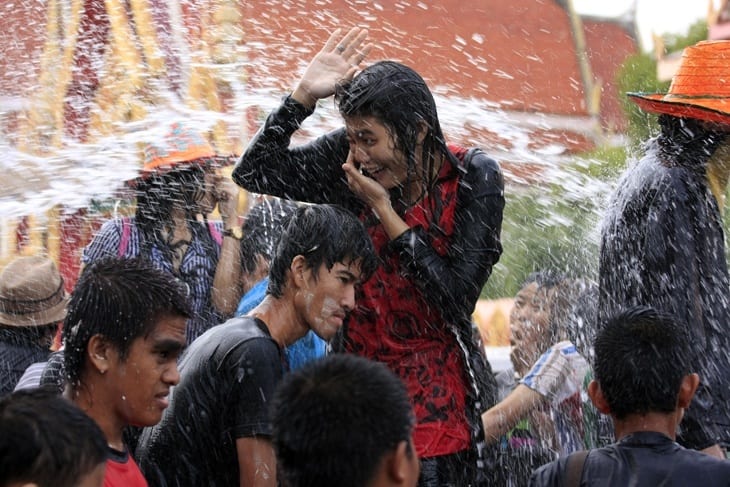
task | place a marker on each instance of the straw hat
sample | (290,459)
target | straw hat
(701,87)
(179,147)
(31,293)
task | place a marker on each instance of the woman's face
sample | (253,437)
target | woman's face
(375,152)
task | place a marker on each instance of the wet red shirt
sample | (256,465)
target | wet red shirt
(393,323)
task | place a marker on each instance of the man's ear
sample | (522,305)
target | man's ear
(687,389)
(398,464)
(298,269)
(99,353)
(597,397)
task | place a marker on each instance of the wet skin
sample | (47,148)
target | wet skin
(529,325)
(328,296)
(374,151)
(142,380)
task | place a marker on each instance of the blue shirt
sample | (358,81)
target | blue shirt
(307,348)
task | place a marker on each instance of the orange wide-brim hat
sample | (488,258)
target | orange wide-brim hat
(178,148)
(700,89)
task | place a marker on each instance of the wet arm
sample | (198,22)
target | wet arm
(256,462)
(505,415)
(310,172)
(453,282)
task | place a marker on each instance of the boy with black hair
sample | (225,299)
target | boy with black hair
(643,379)
(124,331)
(312,446)
(46,441)
(217,430)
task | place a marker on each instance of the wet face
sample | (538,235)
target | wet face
(374,151)
(206,197)
(529,326)
(142,379)
(327,296)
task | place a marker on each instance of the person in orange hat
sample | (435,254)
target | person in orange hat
(32,303)
(662,239)
(179,186)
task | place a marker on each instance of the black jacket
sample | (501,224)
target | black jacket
(663,246)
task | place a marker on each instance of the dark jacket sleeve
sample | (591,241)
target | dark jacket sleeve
(311,172)
(454,281)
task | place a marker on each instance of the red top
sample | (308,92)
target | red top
(122,471)
(393,323)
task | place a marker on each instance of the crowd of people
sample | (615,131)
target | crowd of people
(325,338)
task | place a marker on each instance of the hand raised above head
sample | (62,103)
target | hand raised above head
(338,60)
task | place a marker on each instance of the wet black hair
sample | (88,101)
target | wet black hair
(323,234)
(399,98)
(687,142)
(641,357)
(47,440)
(334,420)
(156,197)
(121,299)
(261,230)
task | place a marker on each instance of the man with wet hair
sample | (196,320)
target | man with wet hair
(662,238)
(124,332)
(312,446)
(261,230)
(46,441)
(643,378)
(217,431)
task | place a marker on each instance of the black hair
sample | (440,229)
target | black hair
(47,440)
(120,299)
(641,357)
(687,142)
(334,419)
(323,234)
(399,98)
(156,197)
(261,230)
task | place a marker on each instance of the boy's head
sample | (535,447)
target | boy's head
(533,324)
(48,442)
(123,333)
(322,255)
(643,364)
(344,420)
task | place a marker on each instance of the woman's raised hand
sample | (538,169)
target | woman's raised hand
(338,60)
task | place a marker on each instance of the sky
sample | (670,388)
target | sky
(658,16)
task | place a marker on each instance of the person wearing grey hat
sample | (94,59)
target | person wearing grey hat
(32,303)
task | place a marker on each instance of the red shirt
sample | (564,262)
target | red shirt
(122,471)
(393,323)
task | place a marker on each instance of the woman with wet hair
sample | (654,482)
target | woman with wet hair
(179,186)
(434,214)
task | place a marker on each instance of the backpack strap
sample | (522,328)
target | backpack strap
(124,238)
(215,233)
(574,468)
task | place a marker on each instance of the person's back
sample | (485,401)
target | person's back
(225,377)
(642,379)
(643,459)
